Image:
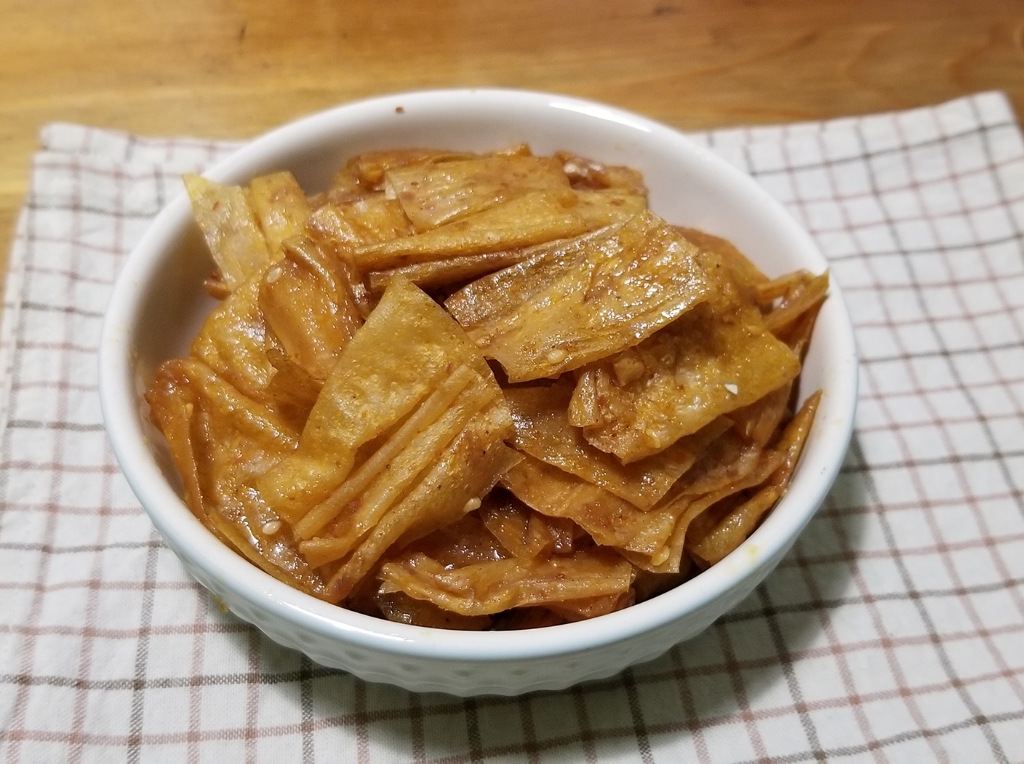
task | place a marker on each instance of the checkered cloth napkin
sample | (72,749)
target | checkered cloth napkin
(894,630)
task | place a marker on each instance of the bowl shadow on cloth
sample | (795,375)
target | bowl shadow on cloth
(742,661)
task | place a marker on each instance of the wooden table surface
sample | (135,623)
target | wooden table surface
(234,68)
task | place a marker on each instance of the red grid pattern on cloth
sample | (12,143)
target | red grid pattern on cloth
(892,632)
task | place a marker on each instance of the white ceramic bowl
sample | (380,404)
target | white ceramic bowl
(158,305)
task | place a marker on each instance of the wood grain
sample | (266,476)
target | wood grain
(234,68)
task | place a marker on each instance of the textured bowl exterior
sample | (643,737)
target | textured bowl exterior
(495,676)
(158,305)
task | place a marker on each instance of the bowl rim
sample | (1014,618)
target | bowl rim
(180,528)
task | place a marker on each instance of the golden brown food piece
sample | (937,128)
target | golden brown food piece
(364,220)
(798,334)
(230,227)
(234,341)
(401,608)
(715,359)
(258,340)
(529,219)
(396,461)
(369,169)
(758,421)
(597,208)
(220,440)
(804,296)
(585,173)
(728,459)
(602,208)
(648,584)
(591,607)
(540,414)
(448,489)
(406,348)
(609,520)
(584,300)
(747,276)
(715,543)
(306,303)
(440,192)
(280,206)
(492,587)
(464,542)
(518,529)
(441,273)
(525,618)
(690,507)
(292,390)
(189,400)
